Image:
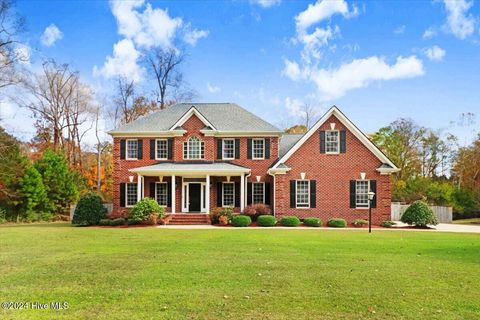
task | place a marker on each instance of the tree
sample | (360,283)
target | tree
(309,114)
(435,153)
(296,129)
(33,191)
(466,168)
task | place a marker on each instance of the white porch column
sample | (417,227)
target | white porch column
(139,188)
(207,196)
(173,194)
(242,192)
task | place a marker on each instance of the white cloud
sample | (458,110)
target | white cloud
(292,70)
(22,51)
(321,10)
(191,36)
(434,53)
(315,40)
(122,63)
(51,35)
(430,32)
(293,106)
(213,88)
(400,29)
(266,3)
(459,22)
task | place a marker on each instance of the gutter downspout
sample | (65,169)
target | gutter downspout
(274,192)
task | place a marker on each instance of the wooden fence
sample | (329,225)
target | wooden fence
(444,214)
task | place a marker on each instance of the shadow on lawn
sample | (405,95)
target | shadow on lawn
(60,224)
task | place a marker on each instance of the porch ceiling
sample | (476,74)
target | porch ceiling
(191,169)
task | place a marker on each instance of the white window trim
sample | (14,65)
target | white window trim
(253,149)
(368,201)
(253,193)
(188,149)
(156,186)
(338,142)
(223,195)
(156,149)
(223,149)
(126,149)
(308,194)
(126,194)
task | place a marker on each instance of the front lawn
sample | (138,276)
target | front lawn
(239,274)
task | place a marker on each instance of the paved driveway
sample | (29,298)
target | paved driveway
(447,227)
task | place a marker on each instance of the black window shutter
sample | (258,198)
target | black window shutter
(152,190)
(249,193)
(322,141)
(122,149)
(313,193)
(267,148)
(237,194)
(219,149)
(353,197)
(219,194)
(249,148)
(140,149)
(122,195)
(293,191)
(373,188)
(237,148)
(343,141)
(152,149)
(170,148)
(268,194)
(169,194)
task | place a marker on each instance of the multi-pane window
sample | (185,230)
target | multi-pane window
(258,192)
(228,194)
(131,194)
(132,149)
(161,193)
(361,192)
(162,149)
(228,149)
(193,148)
(332,141)
(258,147)
(303,193)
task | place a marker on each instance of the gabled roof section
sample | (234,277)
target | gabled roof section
(188,114)
(334,111)
(287,141)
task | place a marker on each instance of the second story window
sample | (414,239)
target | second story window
(332,142)
(162,149)
(132,149)
(193,148)
(228,149)
(258,148)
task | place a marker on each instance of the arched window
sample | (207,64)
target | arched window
(193,148)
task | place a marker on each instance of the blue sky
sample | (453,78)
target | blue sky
(377,61)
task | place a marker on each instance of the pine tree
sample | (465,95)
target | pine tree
(33,192)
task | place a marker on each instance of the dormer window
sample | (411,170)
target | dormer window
(193,149)
(332,141)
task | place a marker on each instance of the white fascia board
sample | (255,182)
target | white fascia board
(232,134)
(350,126)
(188,114)
(159,134)
(200,172)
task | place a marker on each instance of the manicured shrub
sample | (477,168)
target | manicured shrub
(117,222)
(142,210)
(104,222)
(89,210)
(387,224)
(218,212)
(419,214)
(266,221)
(241,220)
(312,222)
(133,222)
(256,210)
(290,221)
(359,222)
(337,223)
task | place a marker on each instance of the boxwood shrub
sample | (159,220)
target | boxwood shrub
(387,224)
(241,220)
(337,223)
(360,222)
(312,222)
(104,222)
(419,214)
(266,221)
(290,221)
(117,222)
(142,210)
(89,210)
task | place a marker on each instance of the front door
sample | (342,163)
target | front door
(194,197)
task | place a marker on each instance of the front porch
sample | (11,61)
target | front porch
(192,188)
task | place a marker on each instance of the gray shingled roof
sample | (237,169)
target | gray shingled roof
(286,143)
(224,116)
(192,167)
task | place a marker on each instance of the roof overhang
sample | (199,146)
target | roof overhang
(387,171)
(190,170)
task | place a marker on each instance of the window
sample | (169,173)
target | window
(228,149)
(132,149)
(258,192)
(258,147)
(228,194)
(332,142)
(361,190)
(131,194)
(303,193)
(162,149)
(193,148)
(161,193)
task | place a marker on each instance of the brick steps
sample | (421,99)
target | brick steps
(186,219)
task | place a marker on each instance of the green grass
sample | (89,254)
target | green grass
(473,221)
(155,273)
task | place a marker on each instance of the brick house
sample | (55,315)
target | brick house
(193,157)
